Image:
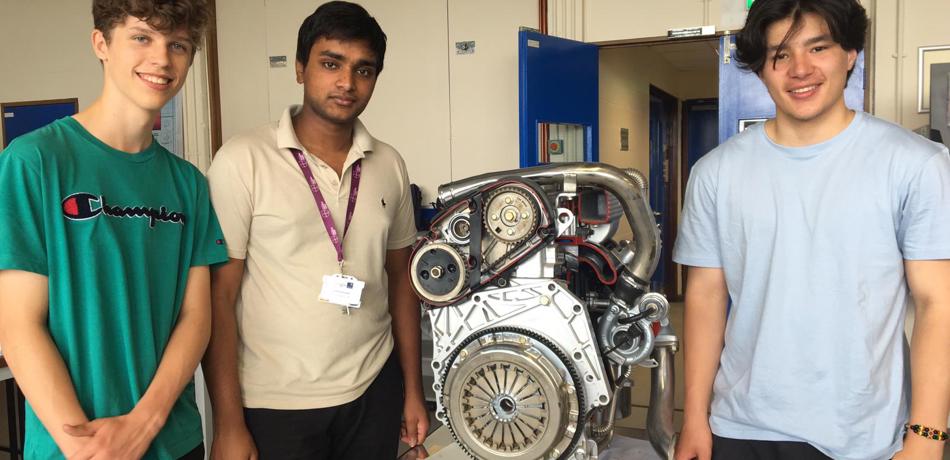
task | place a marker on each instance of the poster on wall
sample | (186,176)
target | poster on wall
(168,129)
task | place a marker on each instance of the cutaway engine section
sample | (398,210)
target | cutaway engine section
(539,315)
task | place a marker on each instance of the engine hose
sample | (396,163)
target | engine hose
(606,431)
(637,317)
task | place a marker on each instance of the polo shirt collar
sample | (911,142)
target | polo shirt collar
(287,139)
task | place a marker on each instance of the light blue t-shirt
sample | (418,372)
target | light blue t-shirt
(812,242)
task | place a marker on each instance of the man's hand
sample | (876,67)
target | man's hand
(233,443)
(125,437)
(695,441)
(415,423)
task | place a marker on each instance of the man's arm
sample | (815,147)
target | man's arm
(404,309)
(33,357)
(929,361)
(129,435)
(231,437)
(705,326)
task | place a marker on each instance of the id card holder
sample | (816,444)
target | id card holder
(343,290)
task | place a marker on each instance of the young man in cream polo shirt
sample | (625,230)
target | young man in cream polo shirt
(293,372)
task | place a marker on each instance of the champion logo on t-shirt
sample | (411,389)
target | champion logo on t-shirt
(84,206)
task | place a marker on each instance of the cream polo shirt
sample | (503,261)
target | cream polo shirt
(297,352)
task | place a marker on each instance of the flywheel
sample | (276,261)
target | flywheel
(509,393)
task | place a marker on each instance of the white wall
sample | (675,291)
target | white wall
(46,52)
(484,85)
(450,115)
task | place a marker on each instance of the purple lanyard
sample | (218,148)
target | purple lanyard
(355,173)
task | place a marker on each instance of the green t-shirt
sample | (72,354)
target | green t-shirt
(115,234)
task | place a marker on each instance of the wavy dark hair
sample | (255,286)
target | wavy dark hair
(847,21)
(342,21)
(162,15)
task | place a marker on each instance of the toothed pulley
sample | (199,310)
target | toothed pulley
(511,214)
(438,272)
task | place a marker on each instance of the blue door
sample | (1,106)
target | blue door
(701,117)
(743,99)
(558,99)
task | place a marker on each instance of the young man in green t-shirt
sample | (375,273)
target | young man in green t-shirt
(107,239)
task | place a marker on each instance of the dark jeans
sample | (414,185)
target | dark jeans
(364,429)
(742,449)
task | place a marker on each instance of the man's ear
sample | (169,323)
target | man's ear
(299,71)
(852,58)
(100,45)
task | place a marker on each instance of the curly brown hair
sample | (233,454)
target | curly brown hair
(162,15)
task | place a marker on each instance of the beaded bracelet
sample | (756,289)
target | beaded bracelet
(927,432)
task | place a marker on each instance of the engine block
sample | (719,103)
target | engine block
(538,315)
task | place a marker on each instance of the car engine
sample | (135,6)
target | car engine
(538,315)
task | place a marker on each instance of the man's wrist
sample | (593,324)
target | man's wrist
(150,417)
(920,445)
(414,393)
(696,412)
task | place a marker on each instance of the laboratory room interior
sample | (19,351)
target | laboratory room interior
(551,310)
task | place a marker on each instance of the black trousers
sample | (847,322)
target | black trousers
(364,429)
(743,449)
(197,454)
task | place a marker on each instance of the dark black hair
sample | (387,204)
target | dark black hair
(847,21)
(342,21)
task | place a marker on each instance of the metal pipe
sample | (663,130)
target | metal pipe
(639,177)
(606,431)
(641,260)
(660,413)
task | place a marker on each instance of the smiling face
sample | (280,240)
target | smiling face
(807,75)
(142,67)
(338,79)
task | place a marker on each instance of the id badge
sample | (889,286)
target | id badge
(342,290)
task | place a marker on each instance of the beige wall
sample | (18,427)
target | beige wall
(608,20)
(625,78)
(900,29)
(47,52)
(242,65)
(451,116)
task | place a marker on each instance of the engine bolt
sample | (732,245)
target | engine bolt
(507,200)
(545,300)
(524,215)
(511,232)
(494,217)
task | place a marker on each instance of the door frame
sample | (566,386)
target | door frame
(669,217)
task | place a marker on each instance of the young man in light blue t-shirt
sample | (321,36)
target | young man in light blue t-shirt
(819,226)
